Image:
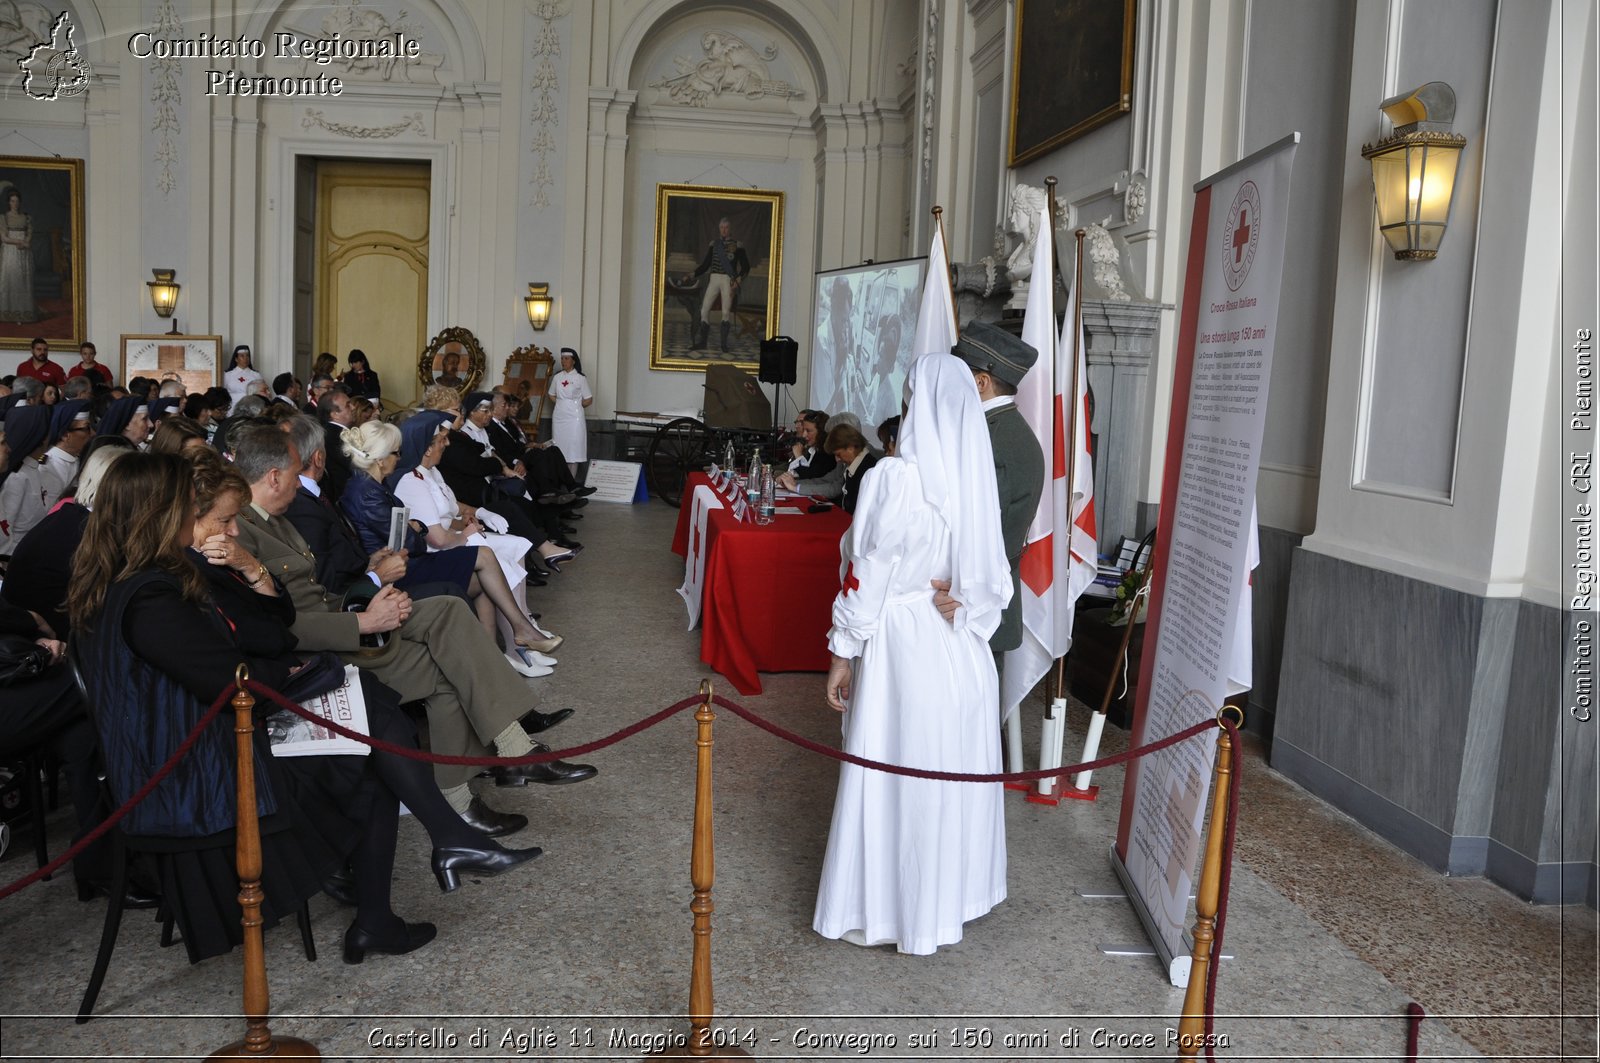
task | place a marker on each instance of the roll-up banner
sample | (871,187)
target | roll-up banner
(1226,330)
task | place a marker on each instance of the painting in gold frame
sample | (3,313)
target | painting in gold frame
(1073,71)
(41,252)
(689,327)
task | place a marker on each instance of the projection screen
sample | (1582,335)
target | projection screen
(865,319)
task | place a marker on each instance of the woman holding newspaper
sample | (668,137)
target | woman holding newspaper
(163,614)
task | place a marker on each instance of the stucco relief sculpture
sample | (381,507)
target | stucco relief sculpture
(352,21)
(731,66)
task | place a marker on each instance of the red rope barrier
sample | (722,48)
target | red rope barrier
(957,776)
(116,817)
(1414,1017)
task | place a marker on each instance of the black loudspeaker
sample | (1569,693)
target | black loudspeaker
(780,358)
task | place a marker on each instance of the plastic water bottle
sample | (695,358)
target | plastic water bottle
(728,459)
(767,511)
(755,471)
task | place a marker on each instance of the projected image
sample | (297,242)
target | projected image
(865,319)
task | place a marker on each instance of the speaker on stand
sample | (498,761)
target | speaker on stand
(780,359)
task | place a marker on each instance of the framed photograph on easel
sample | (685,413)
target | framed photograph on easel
(1073,71)
(195,360)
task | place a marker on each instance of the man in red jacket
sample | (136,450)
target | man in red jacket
(40,367)
(88,367)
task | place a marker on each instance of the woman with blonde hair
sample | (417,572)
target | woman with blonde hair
(374,451)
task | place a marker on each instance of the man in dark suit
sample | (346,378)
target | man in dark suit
(998,361)
(433,650)
(337,410)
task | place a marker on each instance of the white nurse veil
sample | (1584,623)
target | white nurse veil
(945,436)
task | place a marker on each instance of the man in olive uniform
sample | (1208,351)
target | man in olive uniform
(998,361)
(728,265)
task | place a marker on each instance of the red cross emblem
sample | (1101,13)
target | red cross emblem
(1241,234)
(850,581)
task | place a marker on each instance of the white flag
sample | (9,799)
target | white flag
(1058,566)
(936,317)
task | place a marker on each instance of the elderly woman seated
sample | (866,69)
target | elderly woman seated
(165,606)
(432,556)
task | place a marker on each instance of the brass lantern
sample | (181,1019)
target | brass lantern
(1414,170)
(539,303)
(164,293)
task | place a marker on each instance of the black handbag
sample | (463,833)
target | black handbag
(21,659)
(323,672)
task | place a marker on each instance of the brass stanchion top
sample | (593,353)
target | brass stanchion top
(1237,712)
(241,675)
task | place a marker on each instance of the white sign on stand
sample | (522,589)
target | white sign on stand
(614,481)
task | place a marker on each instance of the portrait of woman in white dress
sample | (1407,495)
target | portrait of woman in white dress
(16,260)
(909,861)
(569,429)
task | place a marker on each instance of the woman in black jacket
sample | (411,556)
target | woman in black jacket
(161,639)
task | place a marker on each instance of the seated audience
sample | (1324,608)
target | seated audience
(889,436)
(337,411)
(433,649)
(548,478)
(80,387)
(432,554)
(42,566)
(70,433)
(174,435)
(261,615)
(156,654)
(23,495)
(127,417)
(849,448)
(360,379)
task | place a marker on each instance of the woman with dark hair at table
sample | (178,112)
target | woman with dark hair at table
(849,449)
(360,379)
(157,652)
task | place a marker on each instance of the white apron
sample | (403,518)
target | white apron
(569,429)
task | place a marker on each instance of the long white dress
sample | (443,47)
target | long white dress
(16,269)
(569,430)
(910,860)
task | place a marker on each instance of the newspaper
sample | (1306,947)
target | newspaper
(398,518)
(296,736)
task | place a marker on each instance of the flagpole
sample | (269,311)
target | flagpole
(938,221)
(1080,786)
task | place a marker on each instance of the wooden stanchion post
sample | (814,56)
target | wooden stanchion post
(702,871)
(1192,1026)
(258,1040)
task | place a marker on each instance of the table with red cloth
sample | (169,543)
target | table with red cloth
(768,590)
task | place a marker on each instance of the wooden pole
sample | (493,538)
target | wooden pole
(702,872)
(1192,1026)
(258,1040)
(938,221)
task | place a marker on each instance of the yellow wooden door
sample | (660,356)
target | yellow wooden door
(372,266)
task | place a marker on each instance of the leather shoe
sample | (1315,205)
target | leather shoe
(547,644)
(554,773)
(341,886)
(568,544)
(572,516)
(536,721)
(133,895)
(488,821)
(567,529)
(537,581)
(357,942)
(450,862)
(584,492)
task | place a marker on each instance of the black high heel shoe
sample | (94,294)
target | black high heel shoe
(357,942)
(450,861)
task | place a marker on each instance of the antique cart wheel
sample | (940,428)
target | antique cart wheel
(679,448)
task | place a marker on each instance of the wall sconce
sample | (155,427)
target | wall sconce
(539,304)
(164,294)
(1414,170)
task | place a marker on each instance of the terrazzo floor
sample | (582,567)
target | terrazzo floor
(585,952)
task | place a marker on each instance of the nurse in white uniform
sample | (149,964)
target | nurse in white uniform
(569,429)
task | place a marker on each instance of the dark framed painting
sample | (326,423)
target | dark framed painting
(41,252)
(718,272)
(453,358)
(1073,71)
